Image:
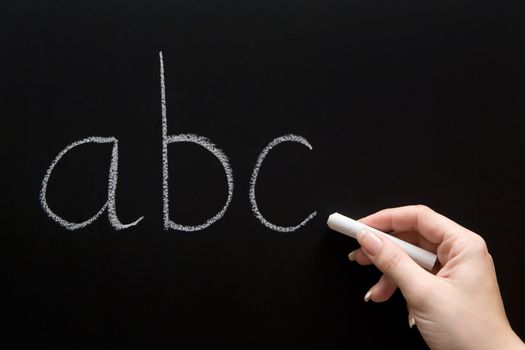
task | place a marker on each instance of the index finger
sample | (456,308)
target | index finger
(431,225)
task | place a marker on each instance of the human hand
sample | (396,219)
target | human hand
(458,307)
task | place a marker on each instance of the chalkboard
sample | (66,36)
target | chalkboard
(211,230)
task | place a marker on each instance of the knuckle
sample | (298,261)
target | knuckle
(479,246)
(491,261)
(423,208)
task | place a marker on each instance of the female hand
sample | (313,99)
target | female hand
(459,307)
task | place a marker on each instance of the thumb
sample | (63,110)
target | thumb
(394,262)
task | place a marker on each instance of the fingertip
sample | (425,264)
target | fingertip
(395,263)
(383,289)
(411,321)
(359,257)
(351,256)
(379,220)
(368,295)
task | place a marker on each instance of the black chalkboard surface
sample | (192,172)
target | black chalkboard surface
(369,104)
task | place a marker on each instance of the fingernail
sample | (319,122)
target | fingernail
(368,295)
(411,321)
(351,256)
(369,241)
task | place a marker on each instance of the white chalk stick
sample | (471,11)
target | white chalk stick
(349,227)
